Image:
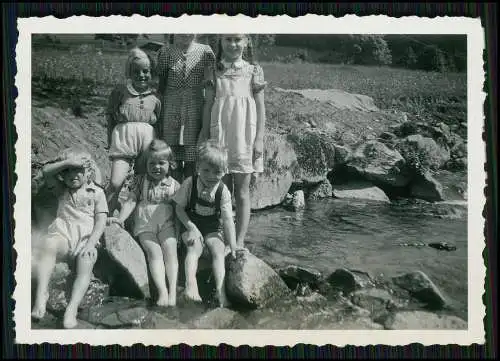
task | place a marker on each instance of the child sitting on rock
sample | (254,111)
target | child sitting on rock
(154,218)
(75,232)
(203,205)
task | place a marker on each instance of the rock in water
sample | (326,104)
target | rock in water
(427,188)
(420,320)
(360,190)
(375,299)
(322,190)
(350,280)
(295,202)
(422,288)
(270,187)
(375,162)
(294,275)
(252,283)
(127,253)
(219,318)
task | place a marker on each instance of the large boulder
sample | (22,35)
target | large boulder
(270,187)
(125,252)
(426,187)
(315,155)
(252,283)
(375,162)
(422,153)
(422,320)
(421,288)
(360,190)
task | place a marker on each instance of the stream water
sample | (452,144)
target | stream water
(368,236)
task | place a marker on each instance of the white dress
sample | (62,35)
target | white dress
(234,113)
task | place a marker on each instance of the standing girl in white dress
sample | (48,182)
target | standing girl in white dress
(234,116)
(132,114)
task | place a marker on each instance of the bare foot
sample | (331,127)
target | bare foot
(163,301)
(39,310)
(192,295)
(70,318)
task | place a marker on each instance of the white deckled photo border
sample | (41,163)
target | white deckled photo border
(350,24)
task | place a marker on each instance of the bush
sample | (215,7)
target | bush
(432,59)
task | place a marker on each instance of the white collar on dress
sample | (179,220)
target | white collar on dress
(238,64)
(132,90)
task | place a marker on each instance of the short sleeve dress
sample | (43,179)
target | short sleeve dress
(183,97)
(234,113)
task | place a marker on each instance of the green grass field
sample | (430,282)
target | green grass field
(84,71)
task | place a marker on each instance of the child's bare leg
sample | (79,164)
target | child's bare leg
(194,252)
(216,246)
(84,265)
(49,248)
(242,196)
(154,256)
(119,171)
(169,246)
(44,268)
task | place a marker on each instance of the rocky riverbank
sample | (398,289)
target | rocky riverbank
(263,297)
(362,153)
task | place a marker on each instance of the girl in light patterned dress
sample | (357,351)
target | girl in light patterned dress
(154,218)
(132,114)
(181,68)
(234,116)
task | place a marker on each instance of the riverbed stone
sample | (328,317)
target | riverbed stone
(252,283)
(295,201)
(349,280)
(421,288)
(321,190)
(294,275)
(157,321)
(219,318)
(126,252)
(125,318)
(374,299)
(375,162)
(426,187)
(419,320)
(270,187)
(360,190)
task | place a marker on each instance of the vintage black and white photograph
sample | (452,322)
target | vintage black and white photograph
(257,181)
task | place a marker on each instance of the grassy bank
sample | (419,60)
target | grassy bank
(388,86)
(85,73)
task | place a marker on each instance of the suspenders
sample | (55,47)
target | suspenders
(194,198)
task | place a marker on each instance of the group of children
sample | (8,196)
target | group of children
(192,144)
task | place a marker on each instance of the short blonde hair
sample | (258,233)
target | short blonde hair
(159,149)
(210,152)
